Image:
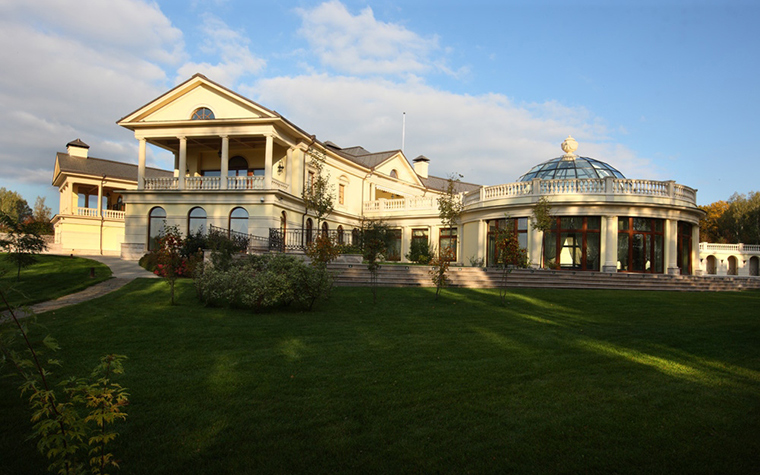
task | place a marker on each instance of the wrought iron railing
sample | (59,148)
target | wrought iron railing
(297,239)
(242,240)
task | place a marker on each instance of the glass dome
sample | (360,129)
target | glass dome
(577,167)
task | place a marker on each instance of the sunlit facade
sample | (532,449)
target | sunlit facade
(241,167)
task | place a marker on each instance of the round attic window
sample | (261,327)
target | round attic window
(202,113)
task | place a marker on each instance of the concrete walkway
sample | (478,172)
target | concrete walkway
(124,272)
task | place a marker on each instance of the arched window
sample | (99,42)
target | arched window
(340,235)
(732,266)
(356,237)
(196,221)
(309,228)
(283,221)
(325,229)
(238,166)
(712,265)
(156,225)
(394,173)
(238,221)
(202,113)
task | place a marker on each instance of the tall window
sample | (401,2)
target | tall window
(196,221)
(356,237)
(519,226)
(573,243)
(684,248)
(341,194)
(641,245)
(202,113)
(309,230)
(156,225)
(394,246)
(310,180)
(239,220)
(341,237)
(325,229)
(447,239)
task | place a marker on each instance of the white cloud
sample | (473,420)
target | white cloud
(488,138)
(360,44)
(236,59)
(72,72)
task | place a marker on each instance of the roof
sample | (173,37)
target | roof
(441,184)
(111,169)
(77,143)
(571,166)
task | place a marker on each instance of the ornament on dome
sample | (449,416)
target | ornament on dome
(569,146)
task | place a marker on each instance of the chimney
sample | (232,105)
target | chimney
(421,166)
(77,148)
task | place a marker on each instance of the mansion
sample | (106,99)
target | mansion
(242,167)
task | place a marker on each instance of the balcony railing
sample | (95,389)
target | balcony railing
(298,239)
(93,213)
(591,186)
(740,248)
(211,183)
(402,204)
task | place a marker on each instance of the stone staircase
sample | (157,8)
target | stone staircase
(475,277)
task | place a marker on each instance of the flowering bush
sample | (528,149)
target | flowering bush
(170,264)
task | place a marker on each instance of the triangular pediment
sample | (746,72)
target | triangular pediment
(180,103)
(400,164)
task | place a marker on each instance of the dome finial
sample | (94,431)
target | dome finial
(569,146)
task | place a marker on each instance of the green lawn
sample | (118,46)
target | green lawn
(559,381)
(51,277)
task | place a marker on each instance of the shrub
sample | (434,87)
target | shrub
(261,282)
(420,252)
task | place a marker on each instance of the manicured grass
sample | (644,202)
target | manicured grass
(51,277)
(556,382)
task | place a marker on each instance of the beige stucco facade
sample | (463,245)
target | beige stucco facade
(235,158)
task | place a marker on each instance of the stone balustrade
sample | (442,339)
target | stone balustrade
(401,205)
(93,213)
(708,247)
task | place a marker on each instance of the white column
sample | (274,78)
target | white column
(182,163)
(535,238)
(268,163)
(100,199)
(225,161)
(610,237)
(288,166)
(141,165)
(671,246)
(695,264)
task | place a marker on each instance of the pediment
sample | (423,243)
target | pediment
(180,103)
(404,170)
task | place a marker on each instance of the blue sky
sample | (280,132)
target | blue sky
(659,89)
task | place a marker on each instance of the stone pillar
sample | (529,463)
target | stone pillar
(225,165)
(671,246)
(182,163)
(610,239)
(268,162)
(141,165)
(535,238)
(696,268)
(99,207)
(288,166)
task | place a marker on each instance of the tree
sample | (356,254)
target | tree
(41,215)
(171,265)
(375,238)
(450,209)
(22,241)
(450,205)
(542,220)
(317,191)
(711,225)
(509,256)
(11,203)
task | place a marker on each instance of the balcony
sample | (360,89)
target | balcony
(93,213)
(212,183)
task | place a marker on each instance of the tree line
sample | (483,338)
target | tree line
(733,221)
(16,207)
